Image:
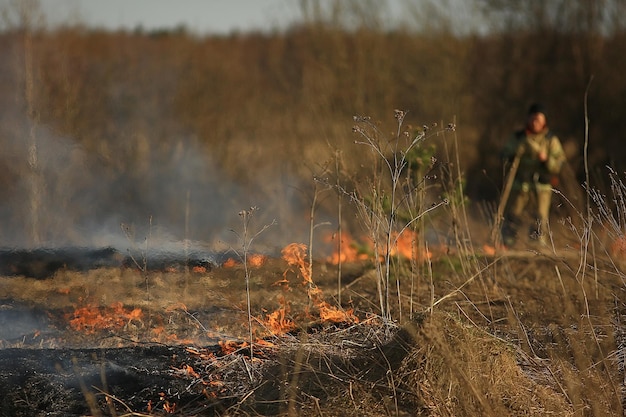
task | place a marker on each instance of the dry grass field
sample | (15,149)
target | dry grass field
(527,333)
(368,284)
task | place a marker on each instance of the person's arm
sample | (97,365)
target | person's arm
(556,156)
(510,148)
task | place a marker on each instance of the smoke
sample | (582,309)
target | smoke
(18,321)
(141,180)
(86,200)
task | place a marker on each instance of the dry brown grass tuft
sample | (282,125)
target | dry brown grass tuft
(459,370)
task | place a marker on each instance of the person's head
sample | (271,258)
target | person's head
(536,118)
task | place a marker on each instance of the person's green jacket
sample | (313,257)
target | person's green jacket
(531,169)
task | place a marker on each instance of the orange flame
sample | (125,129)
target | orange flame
(345,249)
(169,408)
(295,255)
(254,260)
(229,263)
(188,371)
(489,250)
(90,319)
(230,346)
(277,321)
(335,315)
(404,244)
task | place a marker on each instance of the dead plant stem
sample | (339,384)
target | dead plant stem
(339,227)
(246,239)
(459,288)
(588,181)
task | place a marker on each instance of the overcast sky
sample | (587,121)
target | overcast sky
(212,16)
(203,16)
(228,16)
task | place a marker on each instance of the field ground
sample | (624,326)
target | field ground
(517,333)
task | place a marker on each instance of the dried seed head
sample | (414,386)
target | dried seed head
(451,127)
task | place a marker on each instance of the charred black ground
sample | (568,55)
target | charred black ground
(44,262)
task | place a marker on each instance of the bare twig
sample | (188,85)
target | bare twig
(246,239)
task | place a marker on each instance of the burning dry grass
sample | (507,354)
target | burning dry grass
(348,249)
(91,319)
(295,255)
(313,357)
(439,367)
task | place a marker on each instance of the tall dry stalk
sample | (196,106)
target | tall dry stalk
(387,203)
(312,213)
(27,14)
(139,257)
(339,225)
(246,239)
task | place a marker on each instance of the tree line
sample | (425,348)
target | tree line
(274,106)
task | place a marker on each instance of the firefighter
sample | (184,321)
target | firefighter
(541,158)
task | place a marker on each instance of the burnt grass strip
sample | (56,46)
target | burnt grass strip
(77,382)
(178,380)
(43,263)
